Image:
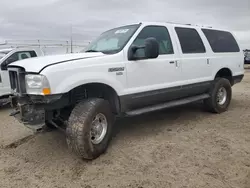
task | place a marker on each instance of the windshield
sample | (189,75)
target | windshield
(112,41)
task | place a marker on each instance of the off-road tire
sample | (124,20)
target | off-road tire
(79,125)
(211,103)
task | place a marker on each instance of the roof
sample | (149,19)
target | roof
(182,25)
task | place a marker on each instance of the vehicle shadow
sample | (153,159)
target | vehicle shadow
(168,118)
(53,144)
(5,107)
(155,121)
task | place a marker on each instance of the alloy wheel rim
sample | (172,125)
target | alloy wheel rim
(221,96)
(98,128)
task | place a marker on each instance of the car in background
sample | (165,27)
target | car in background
(8,56)
(247,57)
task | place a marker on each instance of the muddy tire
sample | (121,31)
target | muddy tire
(221,94)
(89,128)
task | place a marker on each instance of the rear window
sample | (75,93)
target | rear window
(190,40)
(221,41)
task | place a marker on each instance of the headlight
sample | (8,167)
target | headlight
(37,84)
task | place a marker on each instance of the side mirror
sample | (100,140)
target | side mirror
(7,62)
(4,66)
(151,49)
(10,60)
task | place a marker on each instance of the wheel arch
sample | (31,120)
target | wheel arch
(225,73)
(96,90)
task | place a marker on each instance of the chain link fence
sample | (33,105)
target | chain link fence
(47,46)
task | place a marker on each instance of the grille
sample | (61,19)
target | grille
(17,80)
(14,84)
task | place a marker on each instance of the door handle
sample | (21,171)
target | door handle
(174,62)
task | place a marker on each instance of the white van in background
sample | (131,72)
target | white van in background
(8,56)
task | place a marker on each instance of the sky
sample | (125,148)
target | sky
(52,19)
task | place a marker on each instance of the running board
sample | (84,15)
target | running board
(167,105)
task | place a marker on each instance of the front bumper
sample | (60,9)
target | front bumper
(30,115)
(33,111)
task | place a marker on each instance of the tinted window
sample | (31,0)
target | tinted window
(162,36)
(190,40)
(221,41)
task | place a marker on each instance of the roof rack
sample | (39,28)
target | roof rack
(179,23)
(190,24)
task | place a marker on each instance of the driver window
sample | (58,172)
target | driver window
(12,59)
(162,36)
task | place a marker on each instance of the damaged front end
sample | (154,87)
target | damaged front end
(33,110)
(24,110)
(31,115)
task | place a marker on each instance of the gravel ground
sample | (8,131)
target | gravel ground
(181,147)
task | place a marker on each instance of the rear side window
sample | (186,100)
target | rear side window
(221,41)
(190,40)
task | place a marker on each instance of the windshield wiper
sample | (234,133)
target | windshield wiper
(92,51)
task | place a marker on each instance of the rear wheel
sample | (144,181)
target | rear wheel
(89,128)
(220,96)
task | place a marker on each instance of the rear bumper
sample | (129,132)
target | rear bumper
(238,78)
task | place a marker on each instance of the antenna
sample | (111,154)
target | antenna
(71,39)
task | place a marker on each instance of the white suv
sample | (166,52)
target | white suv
(126,71)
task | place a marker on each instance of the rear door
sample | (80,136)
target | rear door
(196,69)
(4,76)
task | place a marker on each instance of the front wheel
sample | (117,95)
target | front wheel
(89,128)
(220,96)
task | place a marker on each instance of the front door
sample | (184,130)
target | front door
(152,81)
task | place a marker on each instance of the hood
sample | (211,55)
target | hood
(36,64)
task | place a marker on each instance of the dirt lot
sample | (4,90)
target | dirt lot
(181,147)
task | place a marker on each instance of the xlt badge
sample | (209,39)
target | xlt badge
(116,69)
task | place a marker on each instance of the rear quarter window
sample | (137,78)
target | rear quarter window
(221,41)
